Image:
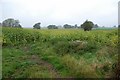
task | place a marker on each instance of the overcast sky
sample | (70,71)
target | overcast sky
(60,12)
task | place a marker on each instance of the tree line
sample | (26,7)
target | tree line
(87,25)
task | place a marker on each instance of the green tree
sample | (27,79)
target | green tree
(67,26)
(52,27)
(87,25)
(37,26)
(19,26)
(10,22)
(0,24)
(95,26)
(114,26)
(75,26)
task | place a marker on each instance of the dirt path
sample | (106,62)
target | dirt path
(45,64)
(39,62)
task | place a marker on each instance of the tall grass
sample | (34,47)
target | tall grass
(81,53)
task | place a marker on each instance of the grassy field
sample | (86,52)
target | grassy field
(59,53)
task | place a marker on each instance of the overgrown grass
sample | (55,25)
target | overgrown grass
(71,52)
(79,68)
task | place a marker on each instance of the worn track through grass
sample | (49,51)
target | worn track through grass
(39,62)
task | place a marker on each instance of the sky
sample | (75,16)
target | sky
(60,12)
(119,13)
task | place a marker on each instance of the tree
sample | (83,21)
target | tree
(114,26)
(67,26)
(87,25)
(52,27)
(76,26)
(95,26)
(19,26)
(0,24)
(10,22)
(118,26)
(37,26)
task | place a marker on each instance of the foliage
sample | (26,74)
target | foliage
(52,27)
(79,68)
(72,52)
(36,26)
(0,24)
(67,26)
(10,22)
(87,25)
(95,26)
